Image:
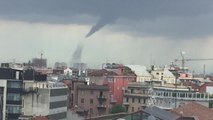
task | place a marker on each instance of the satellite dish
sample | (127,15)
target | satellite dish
(151,117)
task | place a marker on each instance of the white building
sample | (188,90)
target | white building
(169,97)
(45,99)
(68,72)
(163,74)
(141,73)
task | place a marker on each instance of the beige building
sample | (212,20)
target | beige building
(136,97)
(163,74)
(141,73)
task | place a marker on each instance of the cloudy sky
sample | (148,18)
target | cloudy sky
(131,32)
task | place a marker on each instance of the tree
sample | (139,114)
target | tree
(118,109)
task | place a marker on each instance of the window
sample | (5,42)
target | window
(157,73)
(14,85)
(82,100)
(132,109)
(139,100)
(144,101)
(14,109)
(91,101)
(133,100)
(127,99)
(132,90)
(13,96)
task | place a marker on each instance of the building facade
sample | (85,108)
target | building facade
(136,97)
(11,93)
(163,74)
(3,98)
(45,99)
(93,100)
(173,97)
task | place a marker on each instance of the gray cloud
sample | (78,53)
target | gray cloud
(182,18)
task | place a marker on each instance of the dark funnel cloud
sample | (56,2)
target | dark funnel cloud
(96,27)
(76,57)
(100,24)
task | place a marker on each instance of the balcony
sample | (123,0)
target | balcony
(101,106)
(102,97)
(125,103)
(113,101)
(136,95)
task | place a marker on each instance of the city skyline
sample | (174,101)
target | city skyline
(137,35)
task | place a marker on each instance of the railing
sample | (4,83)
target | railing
(134,94)
(102,97)
(101,106)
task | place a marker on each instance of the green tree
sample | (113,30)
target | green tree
(118,109)
(211,104)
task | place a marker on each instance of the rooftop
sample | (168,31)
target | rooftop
(139,70)
(93,87)
(195,109)
(160,113)
(100,72)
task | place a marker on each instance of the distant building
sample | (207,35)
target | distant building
(60,65)
(81,68)
(39,63)
(141,72)
(163,74)
(68,72)
(136,97)
(17,66)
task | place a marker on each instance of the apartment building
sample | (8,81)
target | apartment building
(136,97)
(93,100)
(171,96)
(11,83)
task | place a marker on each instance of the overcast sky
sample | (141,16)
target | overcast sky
(130,32)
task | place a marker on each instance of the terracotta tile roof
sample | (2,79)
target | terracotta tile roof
(194,109)
(100,72)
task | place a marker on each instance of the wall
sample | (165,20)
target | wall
(41,102)
(117,85)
